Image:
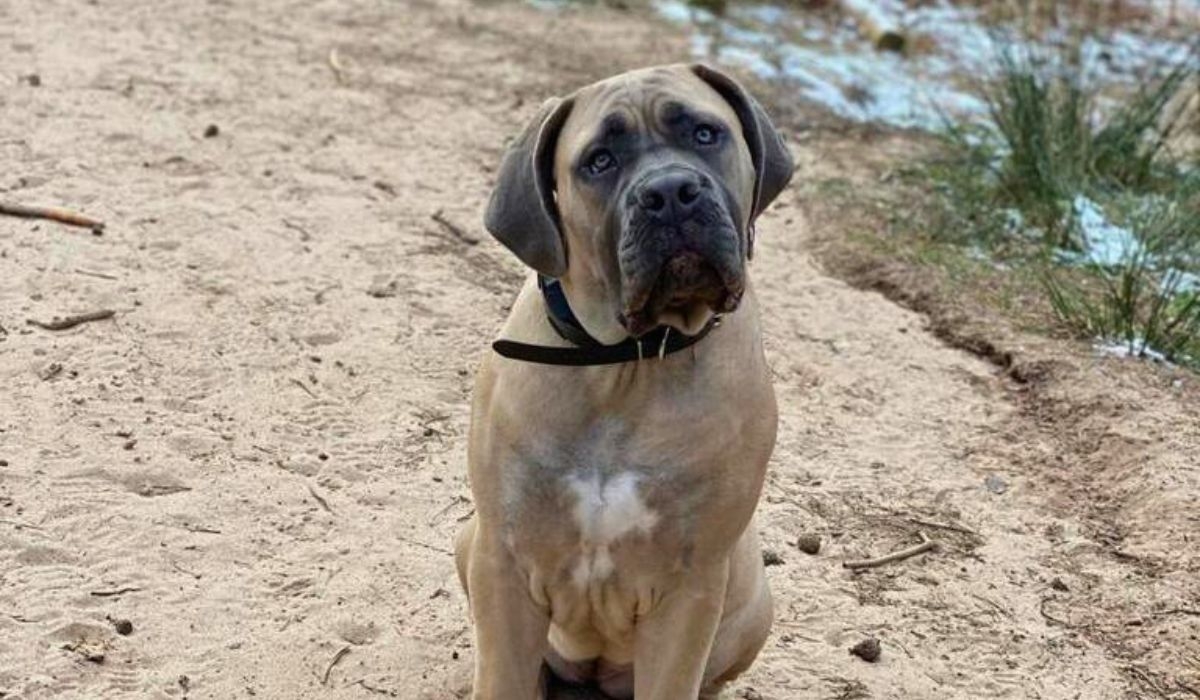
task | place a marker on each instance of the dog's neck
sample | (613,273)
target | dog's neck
(591,305)
(586,350)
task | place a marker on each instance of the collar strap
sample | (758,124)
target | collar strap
(588,351)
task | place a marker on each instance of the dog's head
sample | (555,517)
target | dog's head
(640,193)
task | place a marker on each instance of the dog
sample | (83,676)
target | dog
(621,431)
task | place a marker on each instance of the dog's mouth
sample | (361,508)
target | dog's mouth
(685,294)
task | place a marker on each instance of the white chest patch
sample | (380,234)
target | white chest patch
(605,511)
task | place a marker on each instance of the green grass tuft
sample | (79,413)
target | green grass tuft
(1150,302)
(1007,187)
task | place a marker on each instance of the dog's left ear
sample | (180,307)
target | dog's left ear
(772,162)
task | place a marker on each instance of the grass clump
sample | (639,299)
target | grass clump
(1149,302)
(1026,187)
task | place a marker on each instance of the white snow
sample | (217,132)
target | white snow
(1104,243)
(836,67)
(1132,348)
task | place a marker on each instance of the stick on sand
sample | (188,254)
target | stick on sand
(62,324)
(926,545)
(50,214)
(336,658)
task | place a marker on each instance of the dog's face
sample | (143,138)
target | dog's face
(639,192)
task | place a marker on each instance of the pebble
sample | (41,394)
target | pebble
(868,650)
(809,544)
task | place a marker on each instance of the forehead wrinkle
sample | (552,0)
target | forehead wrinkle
(615,124)
(621,118)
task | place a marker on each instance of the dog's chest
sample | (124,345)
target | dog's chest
(599,545)
(608,511)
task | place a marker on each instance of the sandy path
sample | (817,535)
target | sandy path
(267,443)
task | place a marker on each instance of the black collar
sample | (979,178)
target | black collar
(659,342)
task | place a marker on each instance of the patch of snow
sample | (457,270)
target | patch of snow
(681,13)
(1136,347)
(1104,243)
(1178,281)
(835,66)
(1188,282)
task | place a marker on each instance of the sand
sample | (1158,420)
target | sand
(259,461)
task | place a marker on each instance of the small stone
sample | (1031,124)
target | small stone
(749,694)
(995,484)
(868,650)
(1058,585)
(212,131)
(34,80)
(809,544)
(3,462)
(771,558)
(122,626)
(383,287)
(50,371)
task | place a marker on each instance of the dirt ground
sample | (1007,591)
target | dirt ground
(259,462)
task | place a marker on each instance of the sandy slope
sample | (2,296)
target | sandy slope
(266,446)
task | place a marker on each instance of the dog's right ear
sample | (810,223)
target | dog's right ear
(522,213)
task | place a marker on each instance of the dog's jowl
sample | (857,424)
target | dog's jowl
(622,425)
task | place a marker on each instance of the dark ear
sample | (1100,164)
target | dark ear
(772,161)
(522,213)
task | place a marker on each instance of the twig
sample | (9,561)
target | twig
(175,565)
(1050,618)
(305,236)
(322,501)
(457,500)
(336,658)
(440,550)
(454,229)
(373,689)
(1004,611)
(116,592)
(1180,611)
(204,530)
(301,384)
(1144,677)
(101,275)
(319,297)
(62,324)
(51,214)
(336,65)
(925,545)
(18,524)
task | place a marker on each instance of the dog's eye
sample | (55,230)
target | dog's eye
(600,161)
(706,135)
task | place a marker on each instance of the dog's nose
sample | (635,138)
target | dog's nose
(672,194)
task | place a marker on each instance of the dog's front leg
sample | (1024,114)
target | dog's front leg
(510,627)
(673,642)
